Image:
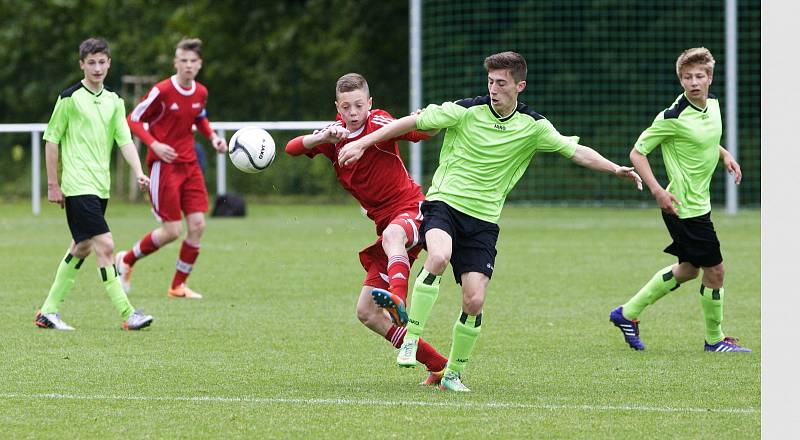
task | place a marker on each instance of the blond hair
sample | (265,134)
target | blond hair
(696,56)
(191,44)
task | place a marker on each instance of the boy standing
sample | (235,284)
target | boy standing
(86,122)
(171,108)
(390,198)
(688,133)
(490,141)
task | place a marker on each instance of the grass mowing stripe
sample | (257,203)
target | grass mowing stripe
(371,402)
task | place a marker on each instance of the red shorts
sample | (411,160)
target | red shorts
(374,259)
(176,188)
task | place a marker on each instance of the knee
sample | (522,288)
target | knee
(172,231)
(437,262)
(104,248)
(473,302)
(196,225)
(394,235)
(82,249)
(715,274)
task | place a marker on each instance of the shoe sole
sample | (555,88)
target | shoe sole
(397,311)
(144,325)
(184,296)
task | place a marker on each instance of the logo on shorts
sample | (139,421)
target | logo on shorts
(195,105)
(174,106)
(489,266)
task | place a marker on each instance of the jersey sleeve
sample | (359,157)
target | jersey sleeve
(59,121)
(146,110)
(654,135)
(122,134)
(436,117)
(550,140)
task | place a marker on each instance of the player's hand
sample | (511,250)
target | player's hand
(333,134)
(629,173)
(144,182)
(54,194)
(351,152)
(164,151)
(219,144)
(733,168)
(667,201)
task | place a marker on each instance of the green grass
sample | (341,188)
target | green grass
(274,350)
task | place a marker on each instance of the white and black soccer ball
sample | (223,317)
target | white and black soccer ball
(251,149)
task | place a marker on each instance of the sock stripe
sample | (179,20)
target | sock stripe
(668,276)
(68,258)
(714,292)
(183,266)
(478,319)
(429,279)
(103,274)
(399,334)
(80,263)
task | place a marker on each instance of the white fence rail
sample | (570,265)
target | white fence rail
(36,131)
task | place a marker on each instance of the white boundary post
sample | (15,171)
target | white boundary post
(415,79)
(36,169)
(221,170)
(731,105)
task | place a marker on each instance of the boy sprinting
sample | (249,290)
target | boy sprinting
(390,197)
(86,122)
(171,108)
(490,141)
(688,133)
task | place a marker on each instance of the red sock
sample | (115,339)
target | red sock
(426,354)
(185,263)
(398,275)
(141,249)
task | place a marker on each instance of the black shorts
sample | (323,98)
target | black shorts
(474,240)
(693,240)
(85,216)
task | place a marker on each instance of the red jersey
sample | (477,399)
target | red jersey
(379,179)
(170,111)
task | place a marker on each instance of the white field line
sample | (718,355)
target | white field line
(369,402)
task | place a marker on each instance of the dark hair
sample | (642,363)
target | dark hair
(193,44)
(350,82)
(512,61)
(92,46)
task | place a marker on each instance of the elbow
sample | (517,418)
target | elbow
(634,155)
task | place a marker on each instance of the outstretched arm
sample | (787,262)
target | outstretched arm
(664,198)
(351,152)
(730,164)
(331,134)
(589,158)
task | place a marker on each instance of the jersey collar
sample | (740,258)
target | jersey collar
(689,101)
(500,118)
(181,90)
(90,90)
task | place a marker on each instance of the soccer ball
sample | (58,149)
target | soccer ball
(251,149)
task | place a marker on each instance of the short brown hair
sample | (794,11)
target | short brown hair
(512,61)
(91,46)
(699,56)
(193,44)
(350,82)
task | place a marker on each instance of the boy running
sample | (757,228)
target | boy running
(490,141)
(171,109)
(383,187)
(688,133)
(86,122)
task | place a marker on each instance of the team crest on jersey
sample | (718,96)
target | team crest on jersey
(174,106)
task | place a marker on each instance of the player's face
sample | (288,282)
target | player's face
(187,64)
(95,68)
(695,81)
(354,107)
(503,91)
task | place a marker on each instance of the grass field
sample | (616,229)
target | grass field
(274,350)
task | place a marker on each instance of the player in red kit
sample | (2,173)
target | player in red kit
(391,198)
(171,109)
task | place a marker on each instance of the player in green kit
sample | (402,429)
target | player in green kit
(688,133)
(86,122)
(489,142)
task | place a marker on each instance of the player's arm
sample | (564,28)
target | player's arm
(730,164)
(131,155)
(664,198)
(353,151)
(204,127)
(147,110)
(589,158)
(54,194)
(331,134)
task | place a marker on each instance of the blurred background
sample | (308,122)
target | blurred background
(598,69)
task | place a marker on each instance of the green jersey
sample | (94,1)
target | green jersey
(85,125)
(484,155)
(689,139)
